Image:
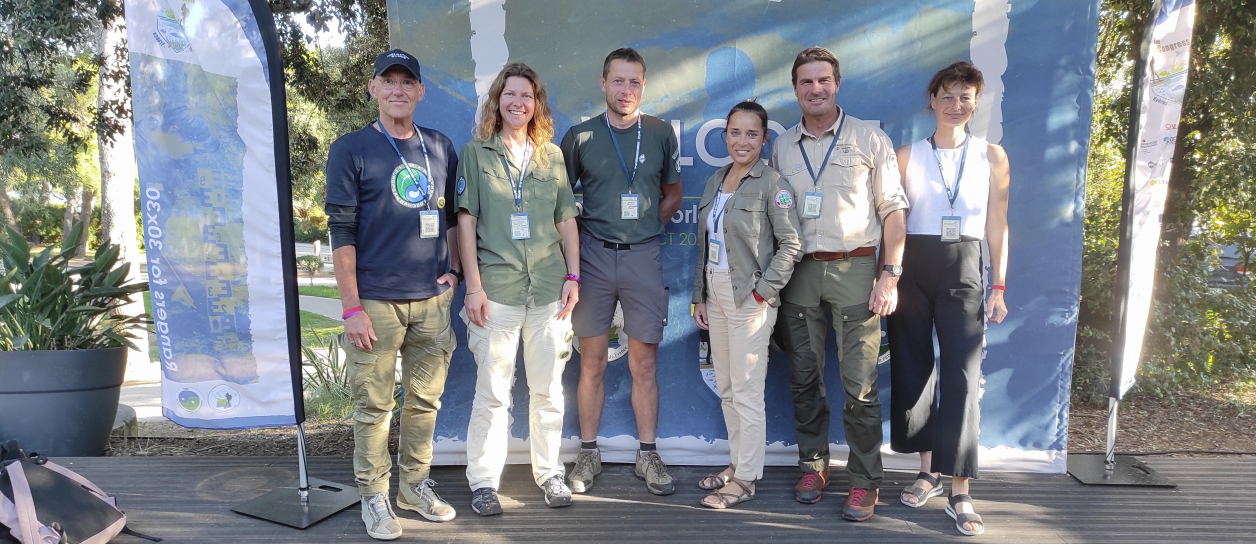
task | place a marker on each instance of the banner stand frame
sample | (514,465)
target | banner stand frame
(304,502)
(1110,468)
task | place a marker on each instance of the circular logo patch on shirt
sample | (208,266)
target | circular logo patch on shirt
(784,199)
(410,192)
(462,184)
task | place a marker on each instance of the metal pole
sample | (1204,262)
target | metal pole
(1109,460)
(303,482)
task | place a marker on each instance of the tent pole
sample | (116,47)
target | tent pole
(1109,459)
(303,482)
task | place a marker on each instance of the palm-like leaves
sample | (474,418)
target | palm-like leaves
(47,305)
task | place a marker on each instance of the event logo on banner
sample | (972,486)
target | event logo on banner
(205,148)
(1162,87)
(703,57)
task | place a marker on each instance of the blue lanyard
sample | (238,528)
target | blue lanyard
(815,177)
(719,214)
(635,158)
(959,174)
(425,191)
(517,188)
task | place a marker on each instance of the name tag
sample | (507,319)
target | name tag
(628,206)
(429,224)
(950,228)
(811,205)
(713,251)
(519,226)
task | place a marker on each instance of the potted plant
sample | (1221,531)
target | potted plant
(63,345)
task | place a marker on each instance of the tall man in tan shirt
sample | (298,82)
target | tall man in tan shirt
(846,181)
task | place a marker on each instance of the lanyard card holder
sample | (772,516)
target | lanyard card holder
(629,206)
(429,224)
(811,203)
(713,251)
(950,228)
(519,226)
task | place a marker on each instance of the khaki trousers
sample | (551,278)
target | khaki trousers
(546,348)
(739,353)
(420,330)
(846,285)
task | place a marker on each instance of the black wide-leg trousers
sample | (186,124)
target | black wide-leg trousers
(934,406)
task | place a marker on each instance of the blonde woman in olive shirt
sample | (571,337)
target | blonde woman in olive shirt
(751,245)
(521,255)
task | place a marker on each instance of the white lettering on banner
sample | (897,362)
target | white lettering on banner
(153,241)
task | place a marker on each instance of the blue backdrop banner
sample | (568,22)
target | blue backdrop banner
(703,57)
(213,173)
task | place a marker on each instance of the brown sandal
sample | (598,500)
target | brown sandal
(729,500)
(715,481)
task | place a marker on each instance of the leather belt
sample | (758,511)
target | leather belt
(835,255)
(617,247)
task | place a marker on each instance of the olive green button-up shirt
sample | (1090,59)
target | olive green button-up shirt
(760,235)
(860,183)
(512,271)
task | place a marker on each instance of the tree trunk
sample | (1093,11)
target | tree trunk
(85,216)
(117,184)
(6,208)
(71,210)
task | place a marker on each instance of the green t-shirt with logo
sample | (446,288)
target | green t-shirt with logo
(591,159)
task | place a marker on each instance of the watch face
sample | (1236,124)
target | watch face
(894,269)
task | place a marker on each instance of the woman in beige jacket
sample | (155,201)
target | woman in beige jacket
(750,244)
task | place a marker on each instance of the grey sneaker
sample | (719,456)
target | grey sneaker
(556,493)
(588,465)
(377,514)
(423,499)
(484,502)
(650,468)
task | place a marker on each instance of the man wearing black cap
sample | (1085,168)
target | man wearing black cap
(390,188)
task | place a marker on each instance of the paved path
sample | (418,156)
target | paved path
(328,307)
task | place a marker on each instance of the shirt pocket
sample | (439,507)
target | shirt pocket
(495,190)
(750,212)
(849,169)
(541,190)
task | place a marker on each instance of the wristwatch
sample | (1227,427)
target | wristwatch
(458,274)
(894,269)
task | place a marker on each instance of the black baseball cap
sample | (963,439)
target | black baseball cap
(397,57)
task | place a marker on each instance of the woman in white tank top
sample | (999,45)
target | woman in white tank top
(957,185)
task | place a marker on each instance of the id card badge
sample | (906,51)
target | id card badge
(628,206)
(811,205)
(429,224)
(950,228)
(713,251)
(519,226)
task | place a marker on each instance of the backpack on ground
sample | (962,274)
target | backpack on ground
(42,502)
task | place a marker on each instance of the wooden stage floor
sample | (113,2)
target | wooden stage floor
(188,499)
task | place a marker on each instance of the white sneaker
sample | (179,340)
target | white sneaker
(423,499)
(377,514)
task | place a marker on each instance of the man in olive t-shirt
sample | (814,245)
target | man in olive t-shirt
(626,164)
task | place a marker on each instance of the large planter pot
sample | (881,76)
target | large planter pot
(60,403)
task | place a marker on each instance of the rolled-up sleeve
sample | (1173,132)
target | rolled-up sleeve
(887,185)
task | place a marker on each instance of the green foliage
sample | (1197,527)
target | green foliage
(47,61)
(310,264)
(43,307)
(327,389)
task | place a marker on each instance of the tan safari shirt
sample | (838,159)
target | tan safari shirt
(860,184)
(512,270)
(760,235)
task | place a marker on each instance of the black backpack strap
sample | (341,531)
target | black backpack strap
(10,451)
(128,531)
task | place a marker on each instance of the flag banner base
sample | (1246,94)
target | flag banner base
(1090,469)
(284,505)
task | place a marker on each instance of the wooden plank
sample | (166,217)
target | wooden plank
(188,499)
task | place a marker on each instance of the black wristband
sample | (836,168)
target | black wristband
(458,274)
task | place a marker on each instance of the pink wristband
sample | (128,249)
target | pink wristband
(998,288)
(352,312)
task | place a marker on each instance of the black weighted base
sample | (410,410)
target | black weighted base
(1090,469)
(284,506)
